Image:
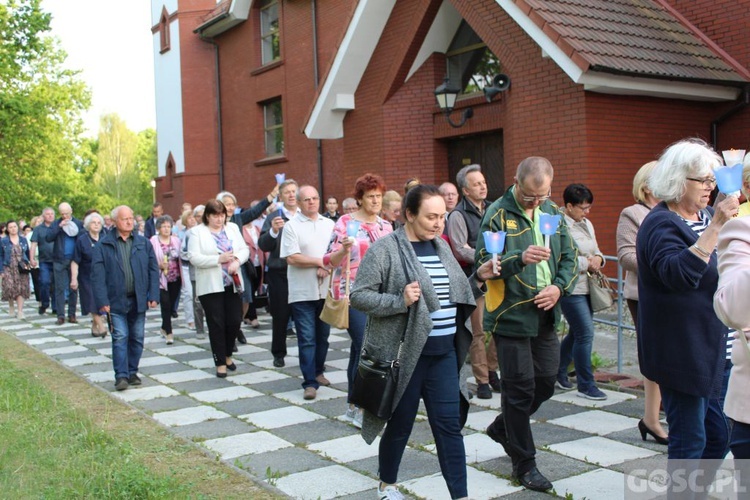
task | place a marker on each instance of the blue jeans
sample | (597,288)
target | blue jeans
(312,339)
(741,450)
(46,270)
(697,426)
(62,288)
(435,379)
(577,344)
(127,340)
(357,320)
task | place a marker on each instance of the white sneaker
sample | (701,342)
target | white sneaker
(390,492)
(357,421)
(350,414)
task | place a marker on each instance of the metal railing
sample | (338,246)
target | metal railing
(619,324)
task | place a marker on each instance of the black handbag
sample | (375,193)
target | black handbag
(376,380)
(24,267)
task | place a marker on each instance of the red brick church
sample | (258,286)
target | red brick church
(326,90)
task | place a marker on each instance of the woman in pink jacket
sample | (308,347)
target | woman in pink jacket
(167,250)
(730,304)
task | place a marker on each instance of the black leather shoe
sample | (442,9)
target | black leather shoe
(221,374)
(234,347)
(534,480)
(134,380)
(278,362)
(498,437)
(241,337)
(484,391)
(232,367)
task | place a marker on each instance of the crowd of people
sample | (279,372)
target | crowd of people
(422,287)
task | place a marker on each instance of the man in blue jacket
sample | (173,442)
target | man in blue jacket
(125,280)
(63,234)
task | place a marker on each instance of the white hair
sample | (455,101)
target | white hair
(93,215)
(683,159)
(226,194)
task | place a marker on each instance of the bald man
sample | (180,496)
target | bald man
(63,234)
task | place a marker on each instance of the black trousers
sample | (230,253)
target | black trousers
(167,299)
(278,301)
(252,312)
(528,366)
(223,312)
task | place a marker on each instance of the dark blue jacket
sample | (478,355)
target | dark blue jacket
(57,235)
(108,277)
(681,342)
(6,248)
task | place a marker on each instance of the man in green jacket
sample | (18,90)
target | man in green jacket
(522,309)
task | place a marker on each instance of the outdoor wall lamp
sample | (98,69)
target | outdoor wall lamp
(446,99)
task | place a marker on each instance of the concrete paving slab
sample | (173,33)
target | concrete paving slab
(282,462)
(596,422)
(213,429)
(245,444)
(346,449)
(600,451)
(187,416)
(258,377)
(481,485)
(56,351)
(181,376)
(86,360)
(326,482)
(280,417)
(600,483)
(323,393)
(225,394)
(613,397)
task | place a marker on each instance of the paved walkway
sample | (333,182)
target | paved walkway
(256,419)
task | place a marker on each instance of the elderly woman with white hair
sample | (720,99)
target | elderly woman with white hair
(681,342)
(80,270)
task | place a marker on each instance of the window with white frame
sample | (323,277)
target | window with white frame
(269,31)
(273,126)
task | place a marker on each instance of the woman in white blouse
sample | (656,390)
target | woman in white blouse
(217,250)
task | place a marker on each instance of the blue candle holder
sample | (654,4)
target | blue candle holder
(729,179)
(548,224)
(280,178)
(352,228)
(494,243)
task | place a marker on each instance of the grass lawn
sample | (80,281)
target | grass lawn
(62,438)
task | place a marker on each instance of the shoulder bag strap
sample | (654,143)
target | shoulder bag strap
(408,309)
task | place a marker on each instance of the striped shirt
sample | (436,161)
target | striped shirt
(443,331)
(699,226)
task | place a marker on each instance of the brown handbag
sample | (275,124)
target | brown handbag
(336,311)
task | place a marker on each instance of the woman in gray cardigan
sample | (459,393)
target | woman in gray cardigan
(433,304)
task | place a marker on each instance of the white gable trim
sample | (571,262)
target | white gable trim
(337,93)
(438,39)
(616,84)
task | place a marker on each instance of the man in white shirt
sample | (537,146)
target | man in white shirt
(303,243)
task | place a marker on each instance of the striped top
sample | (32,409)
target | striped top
(704,219)
(441,337)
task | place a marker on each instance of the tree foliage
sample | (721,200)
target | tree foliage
(126,163)
(40,115)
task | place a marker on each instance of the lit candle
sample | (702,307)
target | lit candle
(548,226)
(280,178)
(352,228)
(494,243)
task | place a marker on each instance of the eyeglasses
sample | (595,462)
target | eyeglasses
(531,199)
(708,182)
(583,208)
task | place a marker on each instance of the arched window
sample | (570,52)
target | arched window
(164,40)
(169,173)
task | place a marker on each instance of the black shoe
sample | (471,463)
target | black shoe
(291,333)
(42,310)
(278,362)
(134,380)
(534,480)
(221,375)
(484,392)
(174,314)
(499,437)
(241,337)
(121,384)
(645,430)
(232,367)
(234,347)
(495,382)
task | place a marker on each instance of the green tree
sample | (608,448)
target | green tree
(40,115)
(125,163)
